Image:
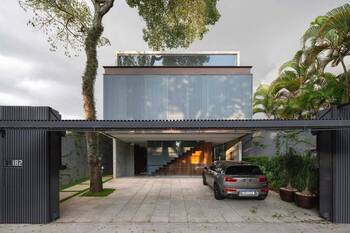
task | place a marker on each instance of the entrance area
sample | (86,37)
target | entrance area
(170,152)
(177,199)
(178,204)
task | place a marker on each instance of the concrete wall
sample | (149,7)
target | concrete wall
(159,97)
(263,143)
(74,157)
(123,159)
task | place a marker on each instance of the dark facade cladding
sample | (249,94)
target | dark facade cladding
(29,168)
(334,157)
(110,125)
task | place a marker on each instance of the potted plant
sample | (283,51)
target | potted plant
(291,162)
(306,198)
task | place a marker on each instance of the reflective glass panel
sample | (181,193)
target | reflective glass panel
(177,60)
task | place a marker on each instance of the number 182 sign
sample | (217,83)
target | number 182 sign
(14,163)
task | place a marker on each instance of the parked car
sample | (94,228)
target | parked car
(236,179)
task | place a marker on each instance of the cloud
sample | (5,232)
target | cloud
(13,99)
(14,65)
(267,33)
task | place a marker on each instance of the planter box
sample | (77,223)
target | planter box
(287,194)
(304,201)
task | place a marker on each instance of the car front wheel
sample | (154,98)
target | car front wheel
(217,193)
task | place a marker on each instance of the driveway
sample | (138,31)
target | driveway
(177,204)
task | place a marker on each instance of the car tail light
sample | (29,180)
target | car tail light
(265,190)
(230,179)
(230,190)
(262,179)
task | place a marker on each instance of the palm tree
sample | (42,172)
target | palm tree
(264,102)
(287,88)
(328,41)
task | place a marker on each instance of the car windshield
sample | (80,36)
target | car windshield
(243,170)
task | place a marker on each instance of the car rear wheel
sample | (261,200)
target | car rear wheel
(204,180)
(217,193)
(261,198)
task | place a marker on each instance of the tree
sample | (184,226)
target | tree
(77,24)
(264,102)
(328,40)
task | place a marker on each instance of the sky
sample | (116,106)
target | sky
(265,32)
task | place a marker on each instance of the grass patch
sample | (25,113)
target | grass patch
(105,192)
(78,181)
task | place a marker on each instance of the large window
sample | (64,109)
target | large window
(169,97)
(177,60)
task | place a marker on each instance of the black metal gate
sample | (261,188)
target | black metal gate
(29,191)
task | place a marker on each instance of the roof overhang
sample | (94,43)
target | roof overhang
(116,125)
(213,136)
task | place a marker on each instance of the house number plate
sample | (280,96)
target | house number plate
(14,163)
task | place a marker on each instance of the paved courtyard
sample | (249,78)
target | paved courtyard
(177,204)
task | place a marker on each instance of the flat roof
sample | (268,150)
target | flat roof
(177,70)
(177,52)
(113,125)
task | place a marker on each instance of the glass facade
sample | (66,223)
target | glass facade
(159,60)
(164,97)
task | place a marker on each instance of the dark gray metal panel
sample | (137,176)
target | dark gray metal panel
(26,191)
(342,177)
(24,113)
(2,136)
(54,166)
(110,125)
(338,149)
(324,150)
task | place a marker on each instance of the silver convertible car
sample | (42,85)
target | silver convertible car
(236,179)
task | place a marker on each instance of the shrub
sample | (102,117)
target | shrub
(293,165)
(290,168)
(272,168)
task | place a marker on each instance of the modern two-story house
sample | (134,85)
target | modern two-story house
(158,86)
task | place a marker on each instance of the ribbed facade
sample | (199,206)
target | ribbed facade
(169,97)
(29,193)
(334,155)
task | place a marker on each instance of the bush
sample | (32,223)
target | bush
(273,169)
(293,165)
(281,169)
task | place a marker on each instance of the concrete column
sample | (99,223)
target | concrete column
(131,160)
(114,158)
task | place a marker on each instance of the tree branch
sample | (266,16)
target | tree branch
(107,5)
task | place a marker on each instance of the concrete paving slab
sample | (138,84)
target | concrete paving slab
(177,204)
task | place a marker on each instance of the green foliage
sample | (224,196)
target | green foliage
(105,192)
(263,101)
(302,87)
(299,171)
(309,173)
(273,169)
(292,163)
(63,22)
(175,23)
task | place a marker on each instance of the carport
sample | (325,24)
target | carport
(30,155)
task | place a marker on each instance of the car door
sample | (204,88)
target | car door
(210,175)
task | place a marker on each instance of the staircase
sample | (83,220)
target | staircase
(189,163)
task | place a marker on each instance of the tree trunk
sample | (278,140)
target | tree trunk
(89,78)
